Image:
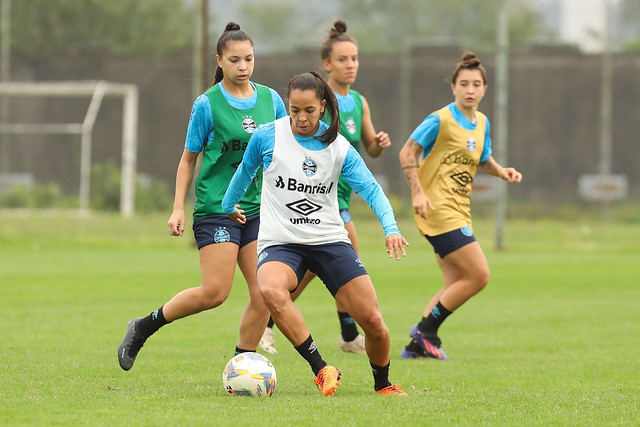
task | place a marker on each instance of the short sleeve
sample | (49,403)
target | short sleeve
(278,104)
(427,132)
(486,151)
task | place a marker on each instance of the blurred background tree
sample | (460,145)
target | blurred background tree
(383,25)
(119,26)
(629,25)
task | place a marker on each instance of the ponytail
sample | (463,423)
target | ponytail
(231,32)
(313,81)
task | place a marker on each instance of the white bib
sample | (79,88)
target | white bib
(300,192)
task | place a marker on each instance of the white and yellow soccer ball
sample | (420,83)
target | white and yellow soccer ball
(249,374)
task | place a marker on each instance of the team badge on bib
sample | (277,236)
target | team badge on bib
(221,235)
(249,125)
(471,144)
(351,126)
(309,166)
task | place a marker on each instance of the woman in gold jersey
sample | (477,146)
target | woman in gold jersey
(439,161)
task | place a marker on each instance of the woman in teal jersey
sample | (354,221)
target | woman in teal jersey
(339,54)
(222,121)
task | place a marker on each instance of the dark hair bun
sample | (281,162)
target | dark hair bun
(339,27)
(232,26)
(469,59)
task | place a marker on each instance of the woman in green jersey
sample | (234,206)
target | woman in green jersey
(222,121)
(339,54)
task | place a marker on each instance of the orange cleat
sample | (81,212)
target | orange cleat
(328,380)
(392,389)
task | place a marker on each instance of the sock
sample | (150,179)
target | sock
(241,350)
(310,352)
(380,375)
(429,325)
(154,321)
(270,323)
(347,326)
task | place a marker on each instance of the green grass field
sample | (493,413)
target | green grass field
(554,339)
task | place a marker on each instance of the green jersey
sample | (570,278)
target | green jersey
(221,157)
(350,128)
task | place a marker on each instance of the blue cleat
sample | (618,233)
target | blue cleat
(408,354)
(431,349)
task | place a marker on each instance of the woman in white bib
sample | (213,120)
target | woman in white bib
(301,228)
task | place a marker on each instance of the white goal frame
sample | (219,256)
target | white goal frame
(97,90)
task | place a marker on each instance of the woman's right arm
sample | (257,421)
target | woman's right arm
(184,176)
(199,132)
(409,158)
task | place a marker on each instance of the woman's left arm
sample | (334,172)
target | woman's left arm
(374,143)
(491,167)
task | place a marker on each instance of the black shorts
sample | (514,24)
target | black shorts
(220,229)
(334,263)
(444,244)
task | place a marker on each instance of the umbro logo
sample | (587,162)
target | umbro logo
(304,207)
(462,178)
(312,347)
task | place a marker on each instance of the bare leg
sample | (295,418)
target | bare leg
(359,297)
(450,276)
(217,266)
(256,314)
(275,280)
(468,267)
(308,277)
(353,236)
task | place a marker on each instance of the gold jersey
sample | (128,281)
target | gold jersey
(447,172)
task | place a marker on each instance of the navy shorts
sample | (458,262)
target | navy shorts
(444,244)
(334,263)
(220,229)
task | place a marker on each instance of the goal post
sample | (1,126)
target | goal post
(97,90)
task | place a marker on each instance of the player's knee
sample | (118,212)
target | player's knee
(211,298)
(481,279)
(273,295)
(374,326)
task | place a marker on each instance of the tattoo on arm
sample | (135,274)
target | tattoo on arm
(410,163)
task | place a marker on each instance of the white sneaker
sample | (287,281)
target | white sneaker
(268,341)
(355,346)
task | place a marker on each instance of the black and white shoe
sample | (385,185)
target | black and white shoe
(131,344)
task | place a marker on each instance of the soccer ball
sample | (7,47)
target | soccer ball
(249,374)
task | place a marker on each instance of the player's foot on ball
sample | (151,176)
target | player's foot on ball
(130,345)
(354,346)
(268,341)
(413,351)
(393,389)
(430,346)
(328,380)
